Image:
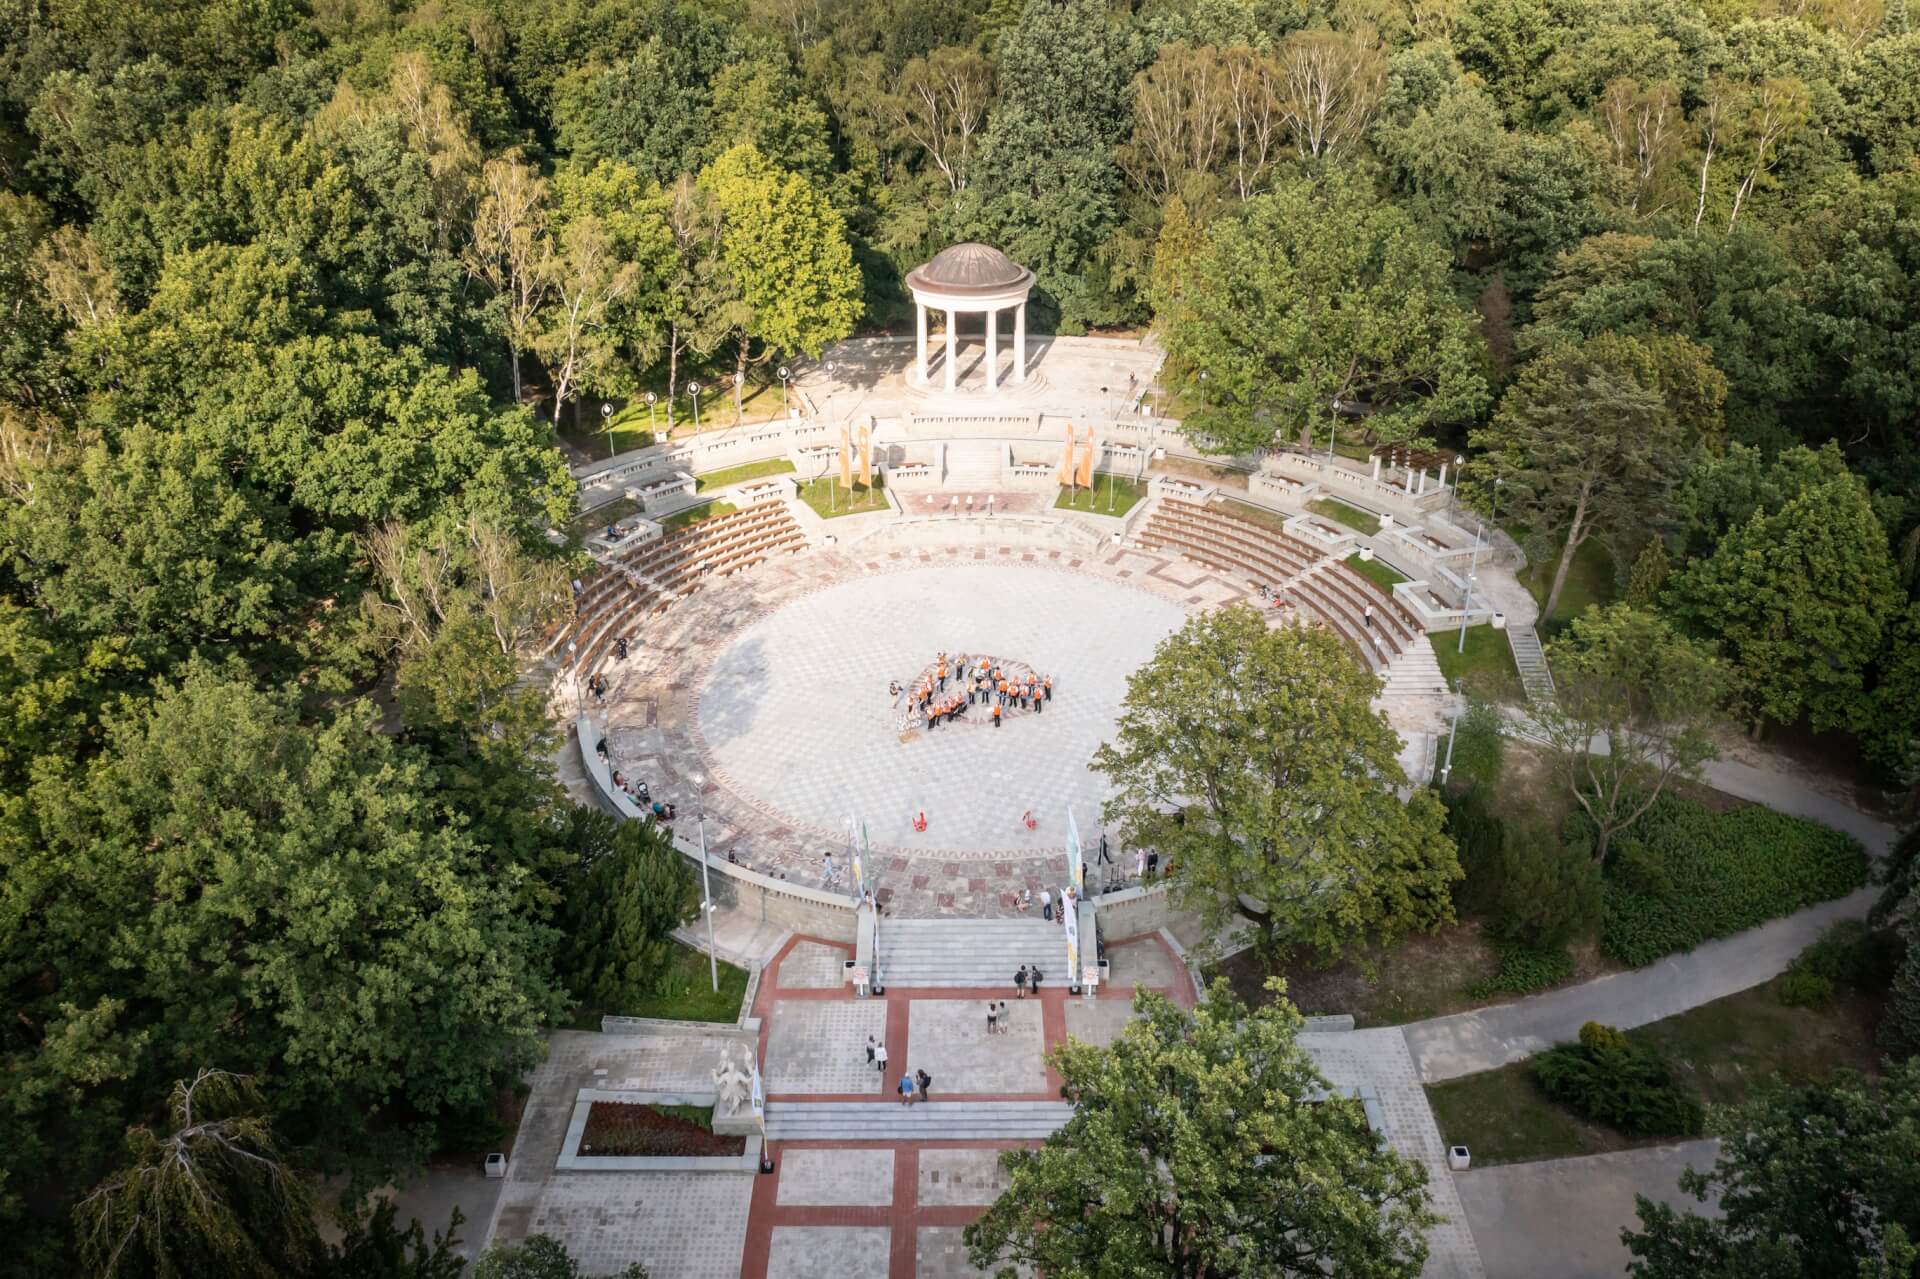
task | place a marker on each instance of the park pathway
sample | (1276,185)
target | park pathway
(1467,1043)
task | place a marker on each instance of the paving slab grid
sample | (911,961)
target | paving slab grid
(835,1209)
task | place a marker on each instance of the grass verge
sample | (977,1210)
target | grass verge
(1376,572)
(1257,515)
(1487,663)
(1722,1053)
(688,994)
(741,473)
(830,501)
(695,514)
(1111,495)
(1589,581)
(1341,513)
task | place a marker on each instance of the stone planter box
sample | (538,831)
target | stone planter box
(571,1160)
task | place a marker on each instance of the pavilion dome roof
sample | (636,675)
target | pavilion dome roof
(970,268)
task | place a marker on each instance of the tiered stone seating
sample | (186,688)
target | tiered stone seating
(650,577)
(1331,589)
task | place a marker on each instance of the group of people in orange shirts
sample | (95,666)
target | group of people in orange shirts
(993,683)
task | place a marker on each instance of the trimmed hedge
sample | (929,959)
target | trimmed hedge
(1608,1077)
(1721,873)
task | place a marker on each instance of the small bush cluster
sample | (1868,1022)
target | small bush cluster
(1523,970)
(1609,1078)
(1689,875)
(1849,956)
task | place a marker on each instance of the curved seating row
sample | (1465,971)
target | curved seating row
(1331,589)
(648,578)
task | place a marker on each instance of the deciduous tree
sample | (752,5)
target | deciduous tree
(1632,708)
(1251,757)
(1201,1144)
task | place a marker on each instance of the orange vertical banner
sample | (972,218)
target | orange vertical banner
(1066,460)
(1086,463)
(846,461)
(866,456)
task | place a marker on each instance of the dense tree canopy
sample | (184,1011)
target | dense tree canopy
(1252,758)
(1206,1143)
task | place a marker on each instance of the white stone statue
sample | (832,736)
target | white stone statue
(730,1081)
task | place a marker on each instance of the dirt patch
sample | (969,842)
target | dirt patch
(1205,472)
(616,1128)
(1425,976)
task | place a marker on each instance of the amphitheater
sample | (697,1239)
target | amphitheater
(745,644)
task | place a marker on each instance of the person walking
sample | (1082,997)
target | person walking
(1367,615)
(880,1057)
(925,1081)
(906,1089)
(1139,863)
(1046,904)
(993,1018)
(1033,982)
(1153,864)
(1105,860)
(1020,983)
(869,1050)
(1002,1020)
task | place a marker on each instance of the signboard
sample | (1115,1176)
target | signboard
(759,1098)
(1090,976)
(858,974)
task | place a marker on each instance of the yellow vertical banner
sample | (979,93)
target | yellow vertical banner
(846,461)
(1066,460)
(866,457)
(1086,463)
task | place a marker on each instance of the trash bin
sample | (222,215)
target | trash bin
(496,1166)
(1458,1158)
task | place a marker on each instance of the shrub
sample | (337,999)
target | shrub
(1848,956)
(620,913)
(1523,970)
(1477,835)
(1727,872)
(1480,744)
(1800,988)
(1639,867)
(1609,1078)
(1551,892)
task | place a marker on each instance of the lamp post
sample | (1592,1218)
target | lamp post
(786,375)
(1333,425)
(706,904)
(1459,464)
(1446,769)
(606,416)
(739,381)
(651,397)
(693,393)
(1471,579)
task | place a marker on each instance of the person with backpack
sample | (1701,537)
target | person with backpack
(925,1081)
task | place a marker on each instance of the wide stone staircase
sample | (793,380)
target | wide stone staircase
(927,1121)
(970,952)
(974,466)
(1414,673)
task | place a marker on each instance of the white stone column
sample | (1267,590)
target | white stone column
(993,351)
(1422,490)
(951,349)
(1442,481)
(923,374)
(1020,343)
(920,317)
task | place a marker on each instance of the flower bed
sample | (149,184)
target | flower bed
(616,1128)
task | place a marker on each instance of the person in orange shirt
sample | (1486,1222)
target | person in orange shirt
(1002,689)
(1033,692)
(1048,686)
(996,717)
(940,672)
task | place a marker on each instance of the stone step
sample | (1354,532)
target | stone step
(968,952)
(925,1121)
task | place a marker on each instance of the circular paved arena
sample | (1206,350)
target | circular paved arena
(795,711)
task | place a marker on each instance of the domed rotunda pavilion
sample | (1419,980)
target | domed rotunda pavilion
(971,279)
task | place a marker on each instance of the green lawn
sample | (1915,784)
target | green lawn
(1111,495)
(1376,572)
(627,429)
(601,516)
(1341,513)
(689,995)
(1487,663)
(693,515)
(1721,1052)
(1589,581)
(741,473)
(830,501)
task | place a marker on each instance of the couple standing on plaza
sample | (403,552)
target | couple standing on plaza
(913,1084)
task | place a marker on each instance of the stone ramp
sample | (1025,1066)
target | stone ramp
(924,1121)
(971,952)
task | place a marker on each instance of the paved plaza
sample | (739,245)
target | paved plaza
(796,711)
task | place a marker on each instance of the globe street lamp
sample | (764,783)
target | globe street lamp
(1333,424)
(606,415)
(693,393)
(786,375)
(739,380)
(651,397)
(1459,464)
(1459,707)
